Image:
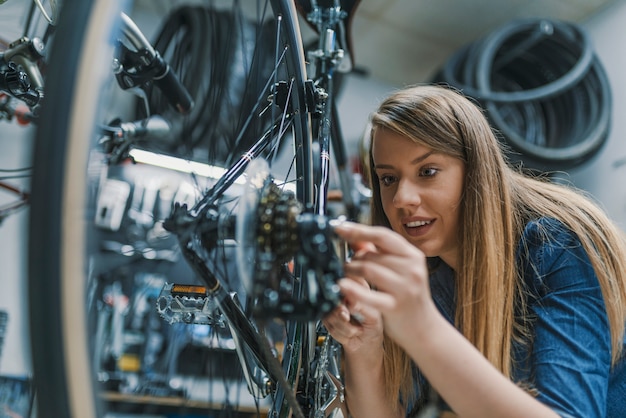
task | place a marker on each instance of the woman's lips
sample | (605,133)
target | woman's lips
(418,228)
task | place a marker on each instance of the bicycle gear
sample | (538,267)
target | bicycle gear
(273,229)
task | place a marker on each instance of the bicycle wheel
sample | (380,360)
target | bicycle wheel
(98,250)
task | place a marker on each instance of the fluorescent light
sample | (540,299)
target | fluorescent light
(186,166)
(180,164)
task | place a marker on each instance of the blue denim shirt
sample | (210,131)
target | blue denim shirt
(569,359)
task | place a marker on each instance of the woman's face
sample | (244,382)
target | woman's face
(420,192)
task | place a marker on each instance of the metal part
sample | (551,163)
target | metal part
(16,82)
(189,307)
(51,17)
(26,53)
(285,233)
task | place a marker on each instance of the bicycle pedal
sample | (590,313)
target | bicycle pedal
(190,304)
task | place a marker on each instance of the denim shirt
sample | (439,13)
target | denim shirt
(568,361)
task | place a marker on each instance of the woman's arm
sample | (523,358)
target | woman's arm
(455,368)
(469,383)
(365,387)
(364,378)
(464,378)
(569,360)
(359,329)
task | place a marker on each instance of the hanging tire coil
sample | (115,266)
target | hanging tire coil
(543,88)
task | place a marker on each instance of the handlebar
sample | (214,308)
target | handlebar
(149,65)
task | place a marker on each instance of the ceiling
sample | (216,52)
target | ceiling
(405,41)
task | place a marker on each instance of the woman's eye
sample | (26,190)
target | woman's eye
(387,180)
(428,172)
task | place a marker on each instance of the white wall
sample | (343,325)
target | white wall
(15,145)
(605,176)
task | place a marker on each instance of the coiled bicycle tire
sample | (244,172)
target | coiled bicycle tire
(543,87)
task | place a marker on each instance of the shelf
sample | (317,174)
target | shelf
(132,403)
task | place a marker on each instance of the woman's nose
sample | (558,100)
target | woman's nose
(407,194)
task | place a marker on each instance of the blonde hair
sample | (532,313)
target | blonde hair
(499,201)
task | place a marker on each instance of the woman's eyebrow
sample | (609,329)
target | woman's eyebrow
(422,158)
(413,162)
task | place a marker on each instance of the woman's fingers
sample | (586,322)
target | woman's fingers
(355,311)
(392,274)
(351,333)
(362,236)
(338,324)
(362,246)
(396,273)
(377,275)
(384,258)
(370,301)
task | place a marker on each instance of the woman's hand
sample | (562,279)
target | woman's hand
(355,326)
(397,271)
(359,329)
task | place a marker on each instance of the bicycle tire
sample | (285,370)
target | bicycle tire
(64,188)
(543,88)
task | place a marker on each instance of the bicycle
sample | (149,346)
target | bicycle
(256,191)
(24,30)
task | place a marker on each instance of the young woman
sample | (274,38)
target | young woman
(503,294)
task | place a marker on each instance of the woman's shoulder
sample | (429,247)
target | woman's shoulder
(552,256)
(546,231)
(548,237)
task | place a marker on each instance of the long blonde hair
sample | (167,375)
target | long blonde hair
(498,201)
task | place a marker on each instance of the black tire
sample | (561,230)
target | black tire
(66,269)
(543,88)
